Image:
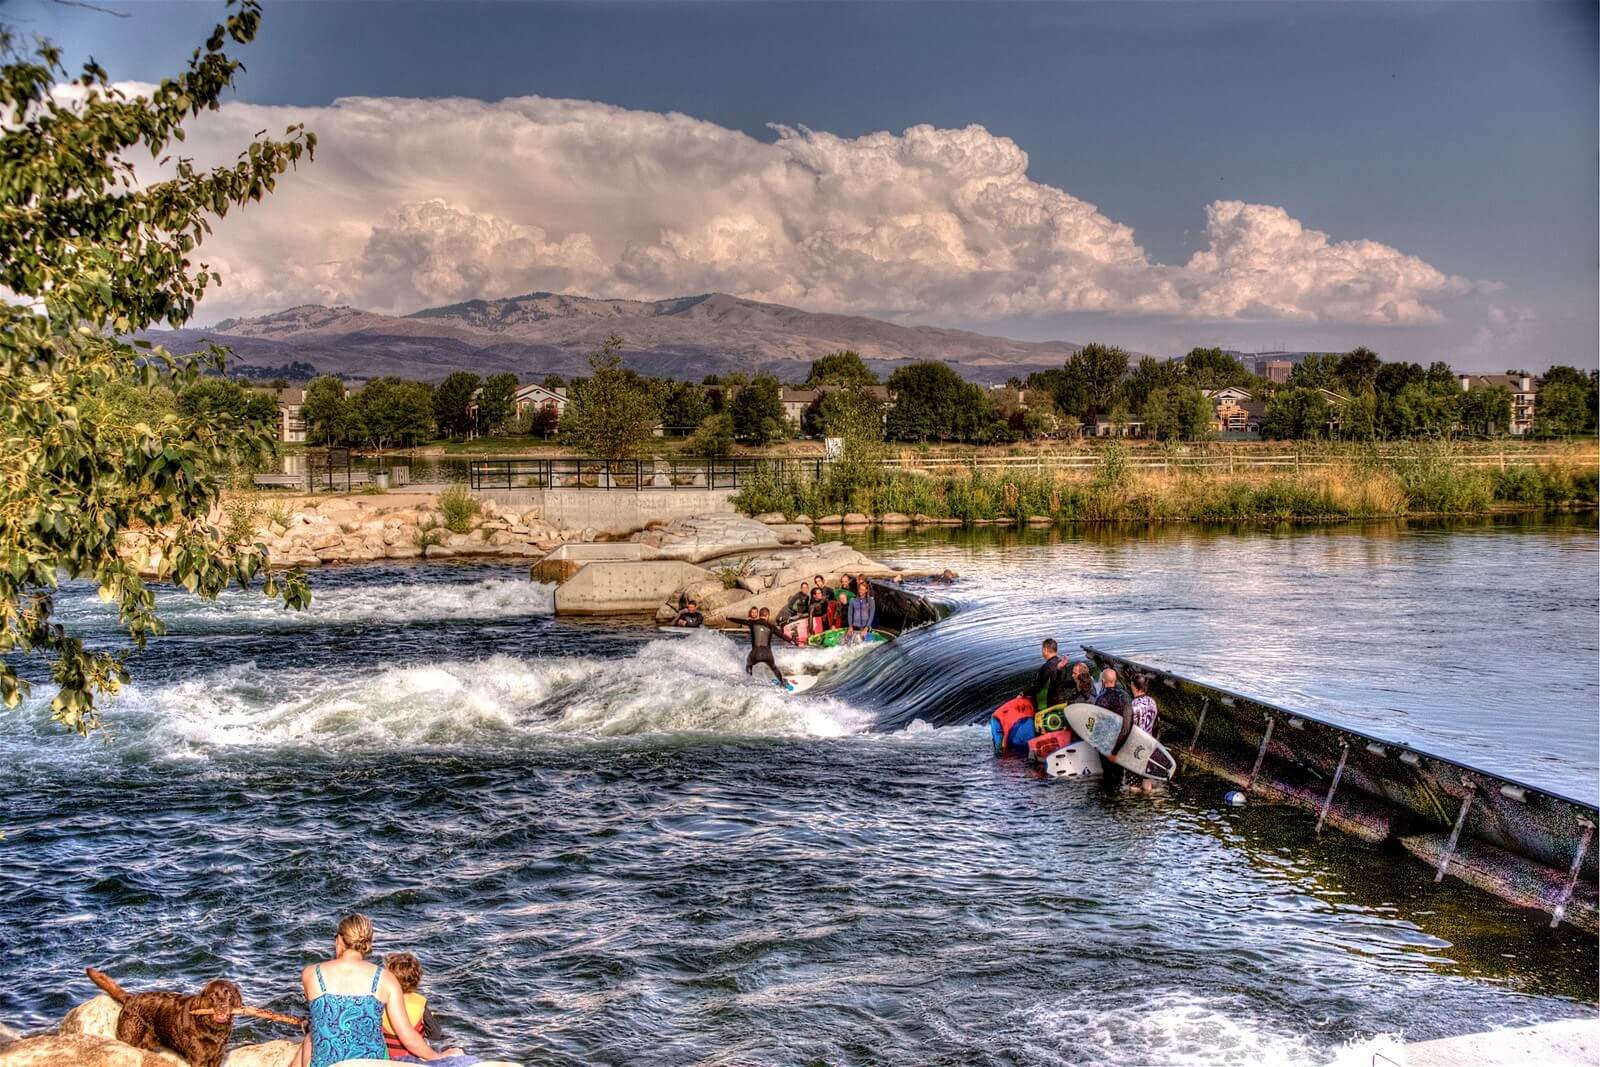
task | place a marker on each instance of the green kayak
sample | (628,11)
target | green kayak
(831,638)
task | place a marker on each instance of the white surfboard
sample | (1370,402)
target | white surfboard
(1095,725)
(798,683)
(1077,760)
(1140,753)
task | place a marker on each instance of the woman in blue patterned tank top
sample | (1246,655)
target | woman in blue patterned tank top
(348,997)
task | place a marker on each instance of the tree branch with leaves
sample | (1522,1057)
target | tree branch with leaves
(95,256)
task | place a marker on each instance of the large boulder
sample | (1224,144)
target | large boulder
(82,1050)
(703,537)
(96,1017)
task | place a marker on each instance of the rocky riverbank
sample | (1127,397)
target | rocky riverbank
(86,1037)
(310,531)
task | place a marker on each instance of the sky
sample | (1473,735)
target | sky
(1416,177)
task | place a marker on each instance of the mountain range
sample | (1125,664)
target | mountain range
(541,333)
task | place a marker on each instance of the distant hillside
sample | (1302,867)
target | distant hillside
(687,337)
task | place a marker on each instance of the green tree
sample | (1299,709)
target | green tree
(610,414)
(451,402)
(1563,408)
(326,411)
(497,402)
(1393,377)
(1420,410)
(1151,374)
(1358,415)
(1358,369)
(390,412)
(932,402)
(839,368)
(1295,414)
(553,382)
(714,438)
(226,399)
(1442,378)
(94,255)
(1486,409)
(1212,368)
(757,411)
(1178,412)
(1316,371)
(850,411)
(684,405)
(1094,374)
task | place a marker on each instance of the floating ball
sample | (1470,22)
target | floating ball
(1234,799)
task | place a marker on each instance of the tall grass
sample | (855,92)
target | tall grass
(1426,479)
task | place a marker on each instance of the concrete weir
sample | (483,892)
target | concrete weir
(1572,1041)
(1528,846)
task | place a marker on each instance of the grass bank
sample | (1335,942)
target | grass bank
(1422,480)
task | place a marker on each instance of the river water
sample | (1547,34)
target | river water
(608,846)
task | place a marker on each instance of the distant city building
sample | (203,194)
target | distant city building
(1524,390)
(1275,370)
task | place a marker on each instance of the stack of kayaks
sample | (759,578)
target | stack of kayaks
(1068,741)
(841,636)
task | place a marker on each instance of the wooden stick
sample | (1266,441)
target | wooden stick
(259,1013)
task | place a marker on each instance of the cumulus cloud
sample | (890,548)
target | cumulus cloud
(413,202)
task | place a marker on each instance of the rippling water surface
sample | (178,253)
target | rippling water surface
(608,846)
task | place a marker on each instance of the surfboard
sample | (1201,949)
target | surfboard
(1077,760)
(1095,725)
(839,636)
(1140,753)
(798,683)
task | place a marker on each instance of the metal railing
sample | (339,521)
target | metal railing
(633,474)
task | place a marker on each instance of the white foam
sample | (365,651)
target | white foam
(1164,1027)
(693,684)
(487,598)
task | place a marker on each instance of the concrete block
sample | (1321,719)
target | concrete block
(624,587)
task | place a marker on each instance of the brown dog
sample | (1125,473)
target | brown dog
(194,1025)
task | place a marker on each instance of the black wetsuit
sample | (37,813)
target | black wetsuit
(798,605)
(689,619)
(761,634)
(1048,679)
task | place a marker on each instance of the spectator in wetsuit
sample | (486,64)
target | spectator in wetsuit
(690,615)
(761,633)
(819,608)
(795,615)
(1048,689)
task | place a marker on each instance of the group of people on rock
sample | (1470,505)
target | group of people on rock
(360,1010)
(817,607)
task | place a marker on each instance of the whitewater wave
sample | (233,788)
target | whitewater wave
(334,605)
(1176,1027)
(678,685)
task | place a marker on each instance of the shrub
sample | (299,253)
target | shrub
(428,534)
(459,508)
(240,512)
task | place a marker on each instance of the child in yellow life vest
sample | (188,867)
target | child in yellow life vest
(407,970)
